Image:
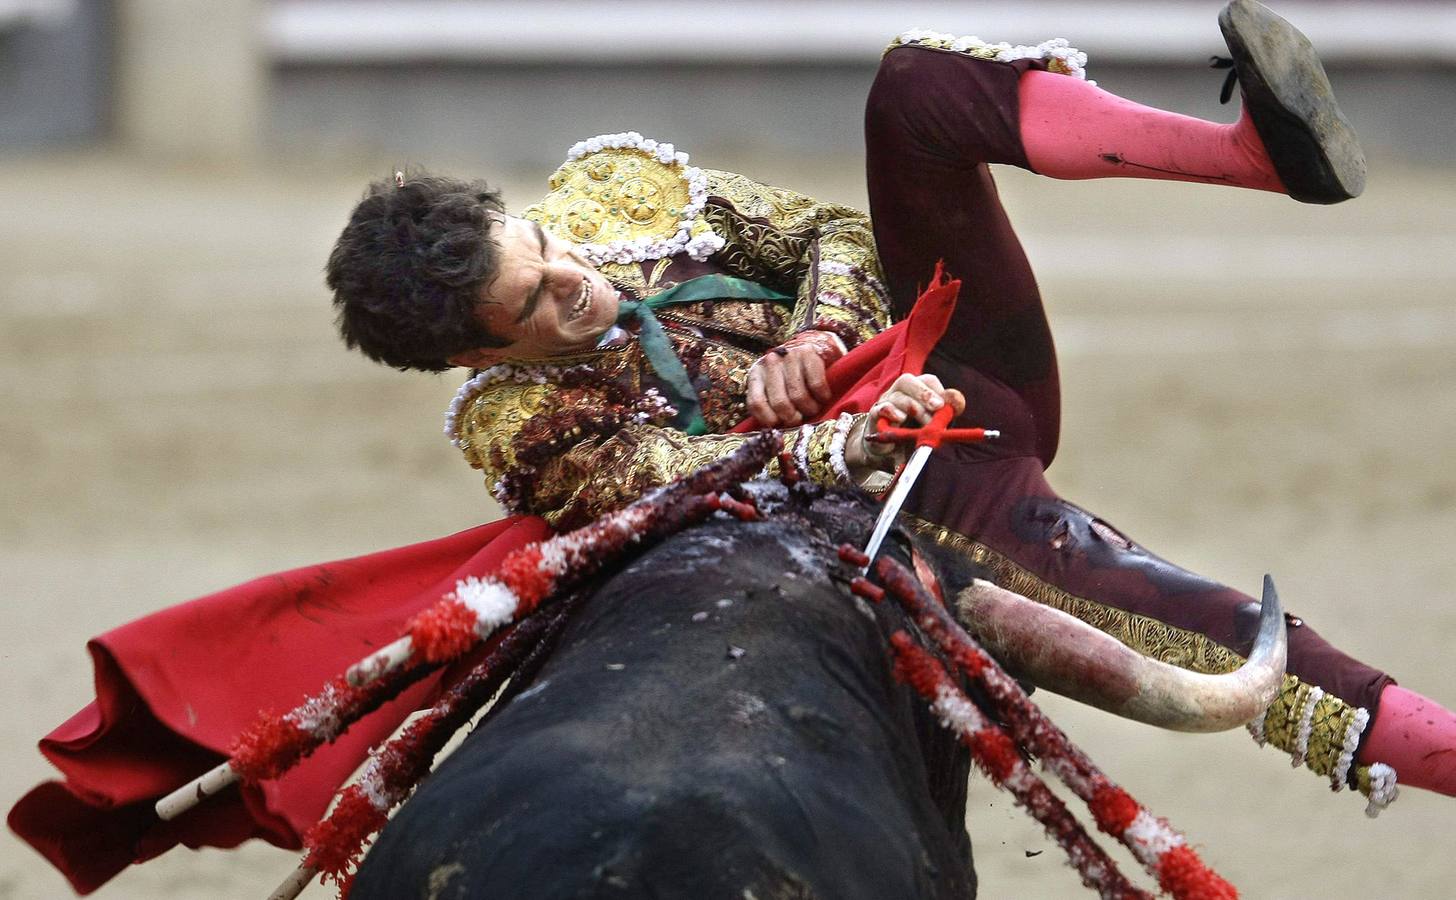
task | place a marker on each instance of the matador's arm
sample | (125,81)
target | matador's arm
(567,445)
(823,252)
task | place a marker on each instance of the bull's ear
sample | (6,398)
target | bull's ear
(479,358)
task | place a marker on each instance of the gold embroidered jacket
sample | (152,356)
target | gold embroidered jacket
(573,437)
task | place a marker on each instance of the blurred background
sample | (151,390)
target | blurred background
(1251,385)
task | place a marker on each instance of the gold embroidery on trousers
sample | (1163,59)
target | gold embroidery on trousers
(1181,647)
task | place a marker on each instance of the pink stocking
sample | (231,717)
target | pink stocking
(1072,129)
(1416,736)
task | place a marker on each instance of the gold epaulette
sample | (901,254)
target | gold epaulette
(511,418)
(490,420)
(490,411)
(624,198)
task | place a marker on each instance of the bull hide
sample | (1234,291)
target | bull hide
(718,720)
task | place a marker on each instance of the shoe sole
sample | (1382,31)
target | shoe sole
(1312,146)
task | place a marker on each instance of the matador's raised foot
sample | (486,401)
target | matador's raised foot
(1289,99)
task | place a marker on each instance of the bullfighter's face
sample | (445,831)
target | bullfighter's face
(546,299)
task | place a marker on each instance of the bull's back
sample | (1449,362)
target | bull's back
(718,720)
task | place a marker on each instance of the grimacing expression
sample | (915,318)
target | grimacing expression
(546,299)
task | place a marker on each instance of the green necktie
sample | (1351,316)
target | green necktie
(658,349)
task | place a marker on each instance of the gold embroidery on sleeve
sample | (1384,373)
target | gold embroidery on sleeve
(825,250)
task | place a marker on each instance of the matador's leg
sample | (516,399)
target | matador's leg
(1290,136)
(934,118)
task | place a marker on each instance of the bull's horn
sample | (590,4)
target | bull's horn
(1067,656)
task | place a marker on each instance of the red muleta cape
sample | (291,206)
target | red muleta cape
(174,689)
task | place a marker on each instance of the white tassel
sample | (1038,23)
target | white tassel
(1383,789)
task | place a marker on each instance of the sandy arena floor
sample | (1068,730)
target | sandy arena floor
(1251,385)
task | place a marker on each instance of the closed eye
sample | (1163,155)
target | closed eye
(534,298)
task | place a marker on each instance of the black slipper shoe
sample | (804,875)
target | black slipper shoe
(1313,148)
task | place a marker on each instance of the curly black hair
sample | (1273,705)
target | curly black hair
(407,270)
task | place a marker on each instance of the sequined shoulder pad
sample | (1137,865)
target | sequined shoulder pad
(625,198)
(511,417)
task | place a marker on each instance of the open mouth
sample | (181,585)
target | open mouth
(583,301)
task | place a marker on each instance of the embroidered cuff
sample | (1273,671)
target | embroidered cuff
(1322,732)
(819,451)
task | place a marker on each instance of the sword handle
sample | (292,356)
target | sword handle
(932,434)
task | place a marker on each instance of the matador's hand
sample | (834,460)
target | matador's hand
(915,398)
(787,386)
(911,400)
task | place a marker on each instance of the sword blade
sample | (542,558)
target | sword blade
(893,503)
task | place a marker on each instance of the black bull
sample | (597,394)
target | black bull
(718,720)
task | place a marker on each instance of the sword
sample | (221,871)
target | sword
(927,438)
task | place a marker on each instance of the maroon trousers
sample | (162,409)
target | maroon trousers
(933,121)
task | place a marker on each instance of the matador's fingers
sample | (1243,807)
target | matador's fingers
(757,400)
(775,397)
(925,389)
(886,409)
(955,398)
(794,384)
(816,379)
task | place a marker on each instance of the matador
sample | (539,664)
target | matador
(573,430)
(622,327)
(556,435)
